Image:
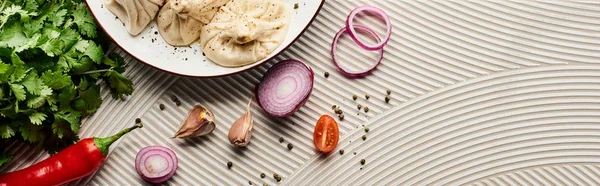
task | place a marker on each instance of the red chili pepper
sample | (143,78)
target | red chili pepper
(76,161)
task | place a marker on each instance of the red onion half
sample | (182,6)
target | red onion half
(379,13)
(345,71)
(156,164)
(285,88)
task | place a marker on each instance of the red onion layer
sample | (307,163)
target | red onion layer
(285,88)
(342,69)
(156,164)
(379,13)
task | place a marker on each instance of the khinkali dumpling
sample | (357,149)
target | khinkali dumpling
(180,21)
(245,31)
(135,14)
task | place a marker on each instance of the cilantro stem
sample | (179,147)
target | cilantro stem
(97,71)
(2,7)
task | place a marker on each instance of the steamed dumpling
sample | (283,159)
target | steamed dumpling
(245,31)
(135,14)
(180,21)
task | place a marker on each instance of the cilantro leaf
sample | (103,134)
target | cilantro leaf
(70,116)
(33,27)
(84,21)
(36,102)
(81,45)
(60,128)
(4,68)
(91,98)
(115,61)
(12,36)
(37,118)
(18,90)
(94,52)
(31,5)
(14,10)
(69,37)
(31,133)
(30,43)
(33,83)
(57,18)
(4,158)
(119,84)
(6,131)
(53,47)
(56,80)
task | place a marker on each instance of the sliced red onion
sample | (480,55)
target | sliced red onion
(379,13)
(285,88)
(342,68)
(156,164)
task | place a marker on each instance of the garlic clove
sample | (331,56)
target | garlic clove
(200,121)
(241,130)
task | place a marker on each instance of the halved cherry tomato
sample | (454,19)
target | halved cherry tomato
(326,134)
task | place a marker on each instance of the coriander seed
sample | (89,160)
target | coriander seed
(290,146)
(161,106)
(277,177)
(341,151)
(354,97)
(229,164)
(326,74)
(262,175)
(387,99)
(367,129)
(280,139)
(333,107)
(138,120)
(362,161)
(388,91)
(364,137)
(339,111)
(358,106)
(367,96)
(366,109)
(341,116)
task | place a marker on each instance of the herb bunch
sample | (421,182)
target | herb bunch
(51,68)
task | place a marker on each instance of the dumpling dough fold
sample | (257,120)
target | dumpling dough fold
(180,21)
(245,31)
(135,14)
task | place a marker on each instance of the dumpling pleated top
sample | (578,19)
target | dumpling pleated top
(245,31)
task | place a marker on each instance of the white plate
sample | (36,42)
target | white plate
(150,48)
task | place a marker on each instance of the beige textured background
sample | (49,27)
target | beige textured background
(484,93)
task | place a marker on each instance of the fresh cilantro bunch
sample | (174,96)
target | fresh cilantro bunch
(51,67)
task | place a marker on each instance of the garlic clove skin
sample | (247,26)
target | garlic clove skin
(200,121)
(241,130)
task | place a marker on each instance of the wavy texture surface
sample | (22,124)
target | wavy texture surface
(483,93)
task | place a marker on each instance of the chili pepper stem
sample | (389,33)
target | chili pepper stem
(104,143)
